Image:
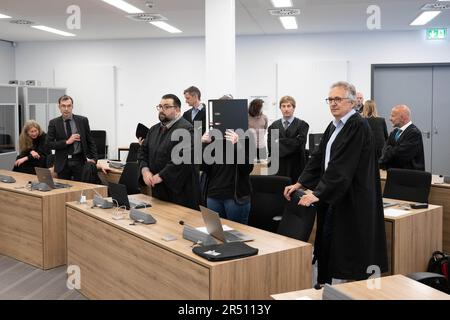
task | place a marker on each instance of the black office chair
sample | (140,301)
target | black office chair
(267,201)
(297,221)
(130,177)
(133,152)
(434,280)
(99,137)
(408,185)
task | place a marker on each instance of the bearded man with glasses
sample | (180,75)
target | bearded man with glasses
(170,180)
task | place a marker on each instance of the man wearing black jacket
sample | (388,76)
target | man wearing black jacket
(404,147)
(70,136)
(197,113)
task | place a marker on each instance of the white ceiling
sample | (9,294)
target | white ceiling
(102,21)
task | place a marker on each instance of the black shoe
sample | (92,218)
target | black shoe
(318,286)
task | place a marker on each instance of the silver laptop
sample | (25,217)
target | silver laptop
(214,228)
(45,176)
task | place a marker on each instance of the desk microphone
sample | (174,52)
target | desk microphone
(192,234)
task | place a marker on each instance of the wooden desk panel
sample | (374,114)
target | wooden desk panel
(397,287)
(33,223)
(281,262)
(439,195)
(411,238)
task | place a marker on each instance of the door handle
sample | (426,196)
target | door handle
(435,130)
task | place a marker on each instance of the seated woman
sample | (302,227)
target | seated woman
(33,148)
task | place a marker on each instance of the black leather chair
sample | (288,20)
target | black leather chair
(130,177)
(434,280)
(297,221)
(408,185)
(267,201)
(99,137)
(133,152)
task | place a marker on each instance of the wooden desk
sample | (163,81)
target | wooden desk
(439,195)
(33,223)
(411,238)
(397,287)
(122,261)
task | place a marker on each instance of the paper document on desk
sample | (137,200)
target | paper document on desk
(224,226)
(391,212)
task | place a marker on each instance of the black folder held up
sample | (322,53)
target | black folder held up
(141,131)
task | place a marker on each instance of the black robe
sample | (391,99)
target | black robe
(351,185)
(291,147)
(180,182)
(406,153)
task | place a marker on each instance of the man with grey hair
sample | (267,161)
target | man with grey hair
(404,147)
(345,182)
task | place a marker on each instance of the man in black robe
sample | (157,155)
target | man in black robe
(292,139)
(344,176)
(177,183)
(404,147)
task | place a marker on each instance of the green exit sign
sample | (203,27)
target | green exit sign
(436,34)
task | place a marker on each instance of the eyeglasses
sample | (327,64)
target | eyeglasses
(335,99)
(165,108)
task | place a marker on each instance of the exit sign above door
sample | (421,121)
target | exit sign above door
(436,34)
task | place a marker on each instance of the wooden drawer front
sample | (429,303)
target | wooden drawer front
(117,265)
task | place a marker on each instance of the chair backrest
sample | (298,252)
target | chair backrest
(133,152)
(99,137)
(267,200)
(314,141)
(297,221)
(130,177)
(406,184)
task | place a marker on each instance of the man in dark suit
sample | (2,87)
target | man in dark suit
(197,112)
(404,147)
(70,137)
(292,139)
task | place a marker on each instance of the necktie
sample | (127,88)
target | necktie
(163,128)
(397,134)
(69,134)
(285,124)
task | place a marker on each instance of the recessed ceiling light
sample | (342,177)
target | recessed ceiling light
(289,23)
(125,6)
(52,30)
(165,26)
(424,18)
(4,16)
(281,3)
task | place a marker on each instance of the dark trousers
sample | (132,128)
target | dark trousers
(73,168)
(324,274)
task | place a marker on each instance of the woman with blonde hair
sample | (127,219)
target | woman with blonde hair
(33,148)
(377,124)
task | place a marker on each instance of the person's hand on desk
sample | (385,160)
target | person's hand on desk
(307,200)
(35,155)
(105,168)
(289,189)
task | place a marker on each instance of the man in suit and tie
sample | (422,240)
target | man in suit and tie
(404,147)
(197,112)
(70,136)
(292,140)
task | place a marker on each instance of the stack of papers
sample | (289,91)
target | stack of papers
(391,212)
